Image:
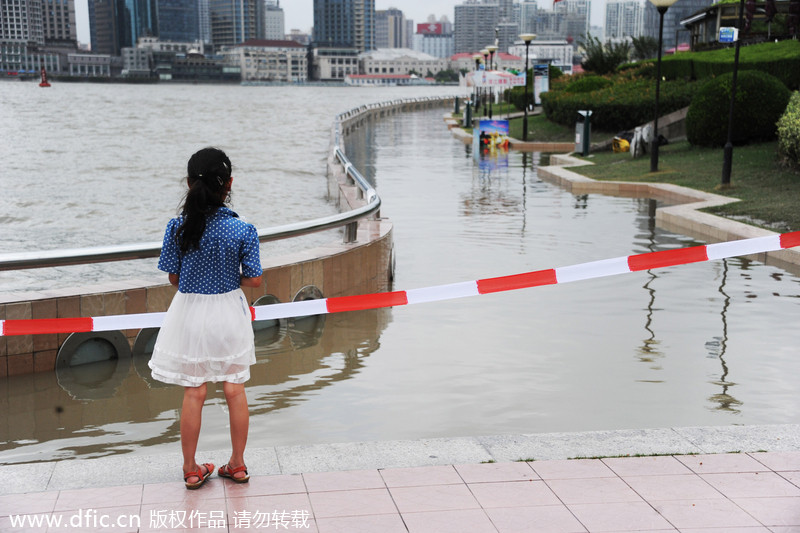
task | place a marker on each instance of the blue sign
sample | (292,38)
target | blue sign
(728,34)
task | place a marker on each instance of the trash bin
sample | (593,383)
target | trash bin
(583,132)
(457,109)
(467,114)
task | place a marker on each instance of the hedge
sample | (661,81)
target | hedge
(781,59)
(621,106)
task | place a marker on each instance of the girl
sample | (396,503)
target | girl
(207,333)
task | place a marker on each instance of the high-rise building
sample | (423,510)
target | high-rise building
(21,21)
(390,29)
(475,24)
(624,18)
(236,21)
(179,20)
(527,16)
(434,38)
(575,17)
(116,24)
(274,21)
(345,24)
(58,20)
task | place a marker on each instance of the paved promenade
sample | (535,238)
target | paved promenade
(713,479)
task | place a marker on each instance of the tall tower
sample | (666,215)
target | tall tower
(345,23)
(116,24)
(390,29)
(475,25)
(274,21)
(236,21)
(624,18)
(21,21)
(58,20)
(179,20)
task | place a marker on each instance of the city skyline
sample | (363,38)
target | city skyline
(299,14)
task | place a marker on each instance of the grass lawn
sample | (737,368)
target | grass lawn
(769,193)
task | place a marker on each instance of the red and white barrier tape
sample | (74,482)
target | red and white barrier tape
(594,269)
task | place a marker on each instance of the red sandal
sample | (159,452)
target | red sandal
(199,474)
(228,472)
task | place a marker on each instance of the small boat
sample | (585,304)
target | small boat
(44,82)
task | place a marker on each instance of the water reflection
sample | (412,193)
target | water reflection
(114,407)
(648,352)
(716,349)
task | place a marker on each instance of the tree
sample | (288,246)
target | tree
(644,47)
(604,58)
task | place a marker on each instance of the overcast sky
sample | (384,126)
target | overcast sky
(300,13)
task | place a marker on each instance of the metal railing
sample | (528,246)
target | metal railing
(124,252)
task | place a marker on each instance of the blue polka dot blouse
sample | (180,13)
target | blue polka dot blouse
(228,249)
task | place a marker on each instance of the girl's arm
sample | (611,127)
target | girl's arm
(250,282)
(173,278)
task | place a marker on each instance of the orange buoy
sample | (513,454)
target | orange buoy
(44,82)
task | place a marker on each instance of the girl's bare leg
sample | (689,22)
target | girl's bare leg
(240,423)
(191,417)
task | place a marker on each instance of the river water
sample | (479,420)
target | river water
(705,344)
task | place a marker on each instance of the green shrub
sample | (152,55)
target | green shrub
(587,84)
(622,105)
(760,100)
(789,131)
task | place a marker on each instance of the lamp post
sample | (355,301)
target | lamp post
(727,159)
(526,38)
(485,54)
(492,48)
(662,6)
(477,58)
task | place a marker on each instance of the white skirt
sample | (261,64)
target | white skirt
(205,337)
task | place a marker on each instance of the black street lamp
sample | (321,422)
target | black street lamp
(526,38)
(485,54)
(727,159)
(492,48)
(662,6)
(477,58)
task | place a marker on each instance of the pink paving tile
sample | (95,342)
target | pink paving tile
(420,476)
(433,498)
(776,511)
(646,466)
(731,530)
(778,461)
(593,490)
(491,472)
(172,516)
(175,491)
(681,487)
(791,477)
(386,523)
(265,486)
(625,516)
(109,519)
(752,485)
(293,504)
(704,513)
(571,469)
(544,519)
(352,503)
(97,498)
(721,463)
(789,529)
(513,494)
(346,480)
(7,527)
(38,502)
(464,521)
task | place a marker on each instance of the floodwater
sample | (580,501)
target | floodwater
(710,343)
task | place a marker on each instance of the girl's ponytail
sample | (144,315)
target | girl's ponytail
(209,173)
